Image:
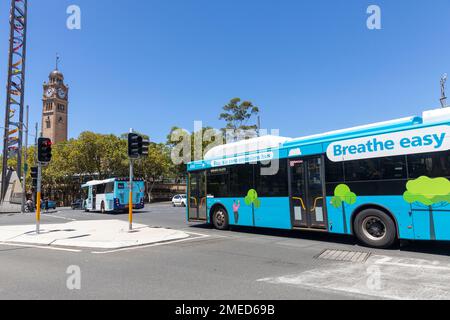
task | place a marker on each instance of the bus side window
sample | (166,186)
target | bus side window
(334,171)
(393,168)
(100,189)
(272,184)
(109,188)
(217,184)
(433,165)
(241,180)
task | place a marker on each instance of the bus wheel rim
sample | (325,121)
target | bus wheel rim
(220,218)
(374,228)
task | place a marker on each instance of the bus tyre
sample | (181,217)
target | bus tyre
(375,229)
(220,219)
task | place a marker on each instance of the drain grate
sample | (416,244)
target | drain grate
(344,255)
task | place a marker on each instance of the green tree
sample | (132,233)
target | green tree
(252,199)
(430,193)
(155,167)
(343,196)
(237,115)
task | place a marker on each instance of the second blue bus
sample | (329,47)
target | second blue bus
(112,195)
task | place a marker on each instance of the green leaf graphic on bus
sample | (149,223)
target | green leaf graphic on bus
(252,199)
(343,195)
(429,193)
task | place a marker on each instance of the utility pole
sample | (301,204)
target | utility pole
(443,95)
(25,165)
(259,126)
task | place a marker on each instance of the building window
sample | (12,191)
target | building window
(48,106)
(61,107)
(48,124)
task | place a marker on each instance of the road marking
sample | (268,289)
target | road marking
(380,277)
(199,237)
(38,247)
(58,217)
(431,265)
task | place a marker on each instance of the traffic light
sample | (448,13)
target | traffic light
(44,150)
(34,176)
(134,145)
(145,147)
(137,146)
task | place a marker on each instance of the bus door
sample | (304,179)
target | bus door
(197,196)
(94,198)
(307,193)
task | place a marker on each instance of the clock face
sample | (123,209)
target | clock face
(61,93)
(50,92)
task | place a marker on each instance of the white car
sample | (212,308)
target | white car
(179,200)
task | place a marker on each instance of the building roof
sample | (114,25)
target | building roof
(56,73)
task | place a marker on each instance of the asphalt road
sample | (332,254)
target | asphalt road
(239,264)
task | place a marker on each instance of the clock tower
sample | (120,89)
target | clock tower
(55,108)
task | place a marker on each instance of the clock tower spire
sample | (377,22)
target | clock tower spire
(55,107)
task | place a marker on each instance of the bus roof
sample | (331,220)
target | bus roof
(262,144)
(250,145)
(99,182)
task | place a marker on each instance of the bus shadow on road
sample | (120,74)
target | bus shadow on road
(425,247)
(120,213)
(288,234)
(441,248)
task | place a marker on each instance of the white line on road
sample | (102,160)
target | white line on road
(58,217)
(381,277)
(38,247)
(199,237)
(423,264)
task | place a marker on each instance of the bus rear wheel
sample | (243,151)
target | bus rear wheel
(220,219)
(375,229)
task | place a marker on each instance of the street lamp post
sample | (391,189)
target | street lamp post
(25,166)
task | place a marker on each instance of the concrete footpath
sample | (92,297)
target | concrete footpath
(101,234)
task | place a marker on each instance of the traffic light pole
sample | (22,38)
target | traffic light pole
(130,211)
(44,158)
(38,202)
(35,157)
(137,147)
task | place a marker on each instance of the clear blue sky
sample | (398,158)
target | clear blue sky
(311,65)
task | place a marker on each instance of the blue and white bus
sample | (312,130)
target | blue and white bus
(112,195)
(380,182)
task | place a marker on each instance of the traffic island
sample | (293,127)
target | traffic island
(102,234)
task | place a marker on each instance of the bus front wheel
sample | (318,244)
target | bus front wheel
(220,219)
(375,229)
